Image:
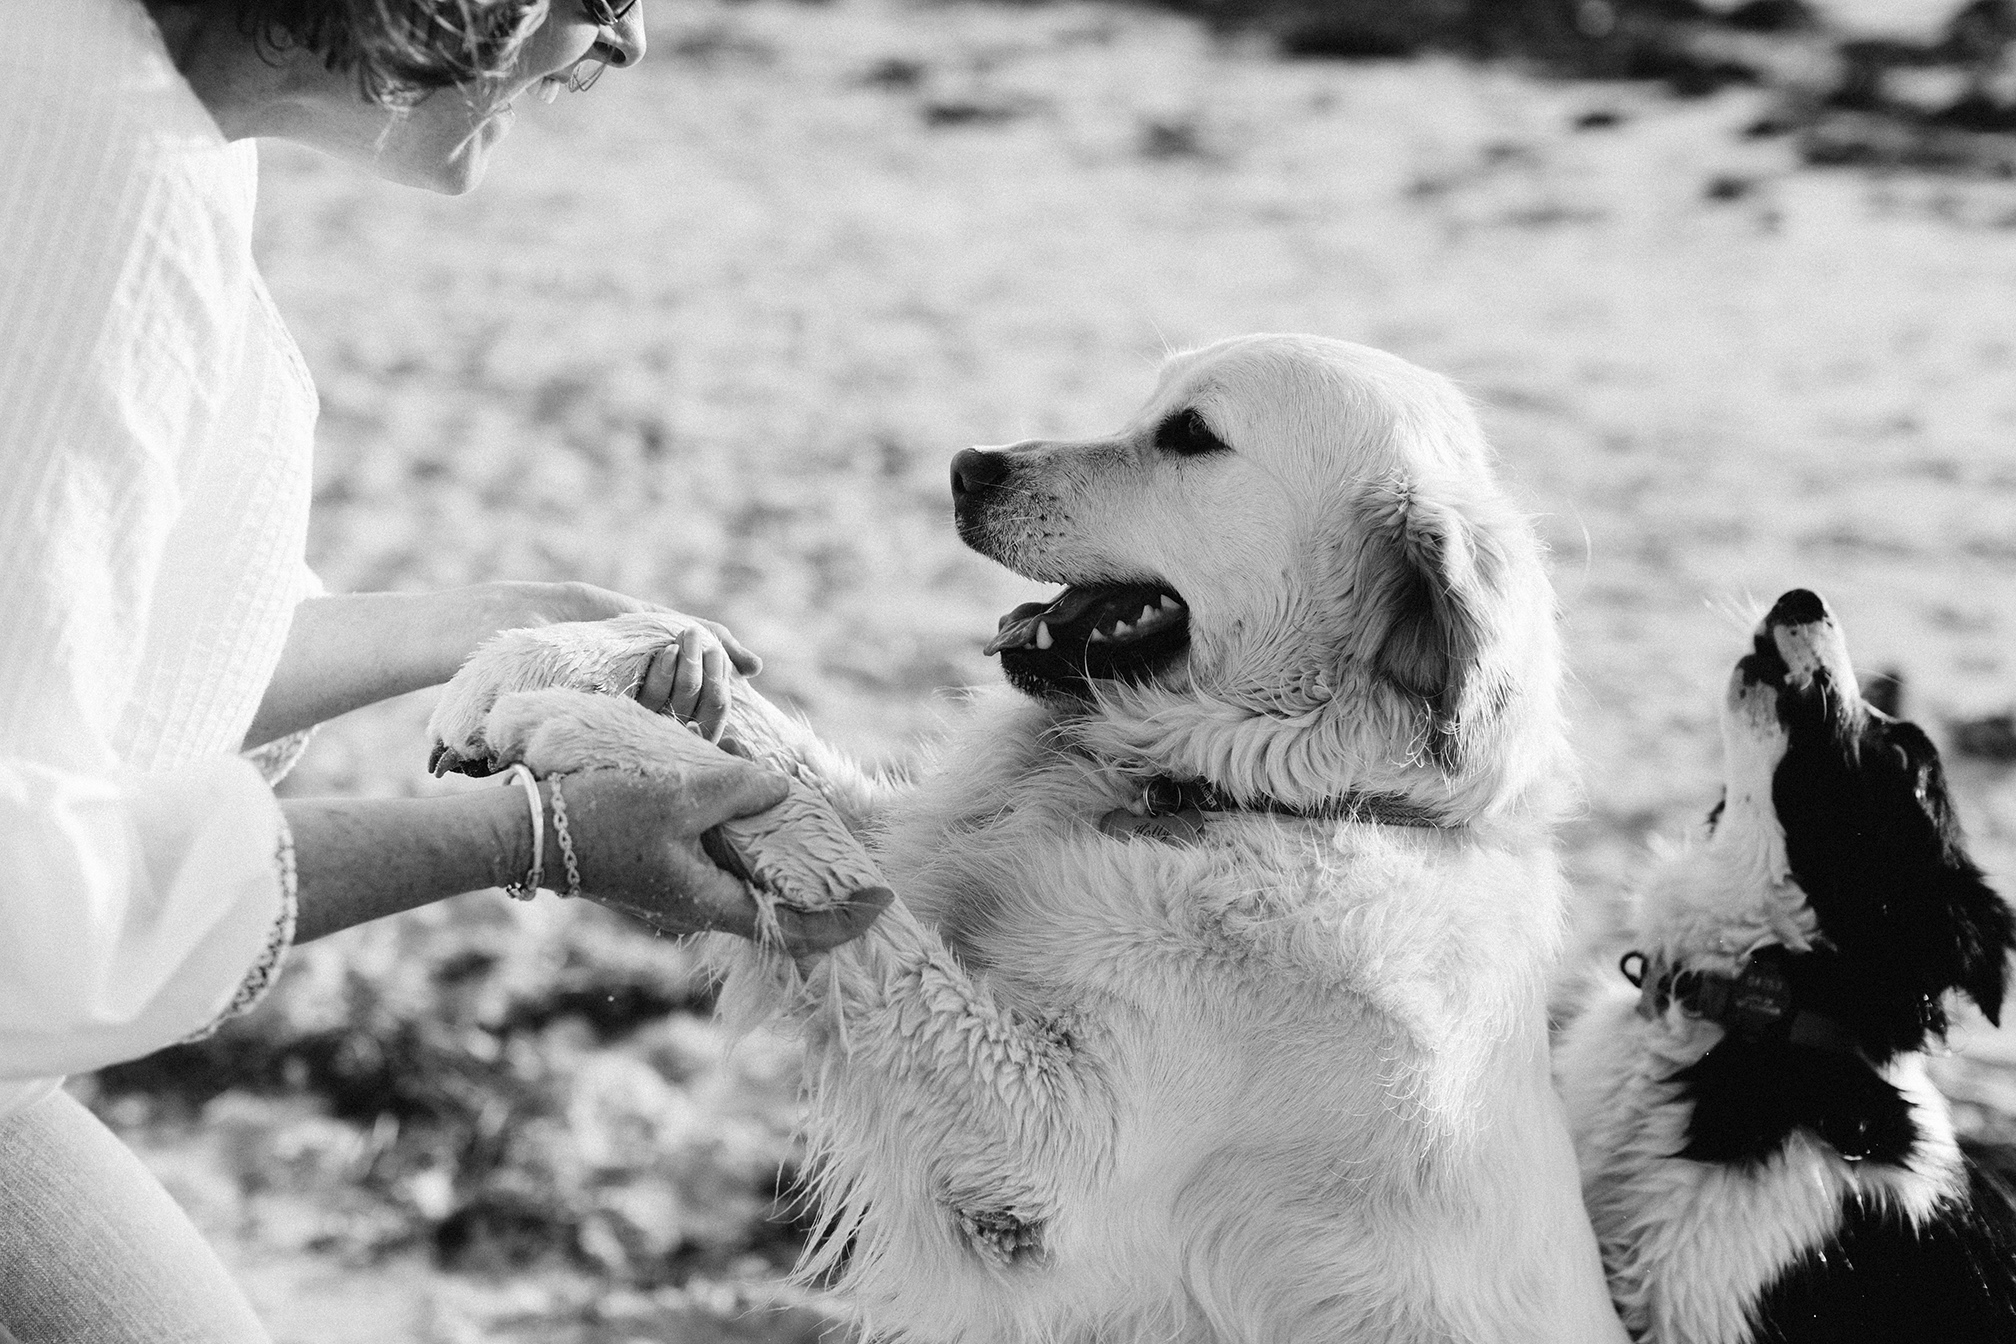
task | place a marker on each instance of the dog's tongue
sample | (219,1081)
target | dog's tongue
(1018,627)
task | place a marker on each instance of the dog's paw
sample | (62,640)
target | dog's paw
(799,852)
(607,657)
(456,726)
(560,731)
(1001,1237)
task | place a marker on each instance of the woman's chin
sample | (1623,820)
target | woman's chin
(462,174)
(446,177)
(451,167)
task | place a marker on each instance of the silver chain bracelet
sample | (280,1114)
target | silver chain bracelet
(565,836)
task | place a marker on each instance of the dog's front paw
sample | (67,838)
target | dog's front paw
(457,724)
(599,656)
(561,731)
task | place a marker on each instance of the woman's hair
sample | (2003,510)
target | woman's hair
(400,50)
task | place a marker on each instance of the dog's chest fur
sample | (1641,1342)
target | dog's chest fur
(1693,1247)
(1000,847)
(1319,1043)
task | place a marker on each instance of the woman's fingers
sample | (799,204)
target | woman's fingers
(714,899)
(745,659)
(656,689)
(808,931)
(710,899)
(699,898)
(734,789)
(691,676)
(690,680)
(710,713)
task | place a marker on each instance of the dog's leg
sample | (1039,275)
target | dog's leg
(557,731)
(948,1131)
(611,657)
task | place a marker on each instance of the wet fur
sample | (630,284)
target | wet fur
(1286,1084)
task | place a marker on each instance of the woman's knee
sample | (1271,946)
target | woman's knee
(92,1248)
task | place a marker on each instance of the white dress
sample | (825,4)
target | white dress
(156,424)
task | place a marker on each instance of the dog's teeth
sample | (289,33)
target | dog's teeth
(1043,640)
(1122,628)
(1147,614)
(1170,604)
(1098,636)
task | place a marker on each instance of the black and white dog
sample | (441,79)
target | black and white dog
(1762,1154)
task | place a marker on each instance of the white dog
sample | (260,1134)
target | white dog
(1211,1008)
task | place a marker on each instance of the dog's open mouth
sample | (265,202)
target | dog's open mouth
(1104,632)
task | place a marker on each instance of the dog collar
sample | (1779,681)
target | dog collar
(1755,1004)
(1164,796)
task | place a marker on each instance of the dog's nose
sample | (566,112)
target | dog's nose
(976,471)
(1801,606)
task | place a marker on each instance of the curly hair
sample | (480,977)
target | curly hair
(400,50)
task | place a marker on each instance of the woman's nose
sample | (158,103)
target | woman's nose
(622,43)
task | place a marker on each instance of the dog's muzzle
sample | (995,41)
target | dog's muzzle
(1108,629)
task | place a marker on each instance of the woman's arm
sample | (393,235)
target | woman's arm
(346,651)
(636,840)
(356,859)
(134,907)
(136,910)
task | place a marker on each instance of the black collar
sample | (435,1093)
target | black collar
(1755,1004)
(1164,796)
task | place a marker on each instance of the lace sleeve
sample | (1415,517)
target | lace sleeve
(274,760)
(266,969)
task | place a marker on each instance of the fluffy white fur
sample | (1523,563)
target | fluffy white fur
(1289,1083)
(1690,1245)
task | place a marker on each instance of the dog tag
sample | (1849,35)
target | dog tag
(1176,828)
(1761,997)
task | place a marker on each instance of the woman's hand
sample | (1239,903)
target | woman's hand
(637,840)
(641,794)
(688,678)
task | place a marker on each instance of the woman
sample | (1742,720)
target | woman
(155,614)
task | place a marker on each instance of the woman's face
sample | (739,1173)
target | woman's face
(443,142)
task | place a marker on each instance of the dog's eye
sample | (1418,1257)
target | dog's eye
(1186,435)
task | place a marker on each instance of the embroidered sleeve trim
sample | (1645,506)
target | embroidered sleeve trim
(277,758)
(279,938)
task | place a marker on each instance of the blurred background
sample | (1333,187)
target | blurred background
(1735,286)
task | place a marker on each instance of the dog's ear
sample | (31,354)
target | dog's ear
(1967,944)
(1983,934)
(1423,570)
